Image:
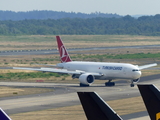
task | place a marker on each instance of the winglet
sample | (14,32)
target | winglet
(95,108)
(151,98)
(64,56)
(147,66)
(3,115)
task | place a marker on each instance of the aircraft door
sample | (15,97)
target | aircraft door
(124,70)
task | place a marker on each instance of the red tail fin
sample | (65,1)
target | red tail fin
(64,56)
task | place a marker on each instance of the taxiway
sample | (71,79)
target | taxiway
(65,95)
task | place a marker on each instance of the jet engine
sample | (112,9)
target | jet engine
(86,79)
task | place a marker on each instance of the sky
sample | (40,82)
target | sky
(121,7)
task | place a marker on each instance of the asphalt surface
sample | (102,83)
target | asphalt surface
(65,95)
(54,51)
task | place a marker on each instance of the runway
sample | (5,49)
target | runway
(65,95)
(54,51)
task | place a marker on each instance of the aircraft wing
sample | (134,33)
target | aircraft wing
(64,71)
(53,66)
(147,66)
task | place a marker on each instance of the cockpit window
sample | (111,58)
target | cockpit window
(135,70)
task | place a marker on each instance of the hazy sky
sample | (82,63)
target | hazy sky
(122,7)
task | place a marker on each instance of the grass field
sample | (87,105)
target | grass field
(134,56)
(73,41)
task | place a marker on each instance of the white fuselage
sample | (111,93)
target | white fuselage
(109,70)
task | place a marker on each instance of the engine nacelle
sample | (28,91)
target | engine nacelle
(86,79)
(136,80)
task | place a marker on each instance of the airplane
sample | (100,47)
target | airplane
(3,115)
(151,98)
(87,72)
(96,108)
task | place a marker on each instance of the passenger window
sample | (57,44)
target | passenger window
(135,70)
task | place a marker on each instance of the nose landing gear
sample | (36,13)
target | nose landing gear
(134,81)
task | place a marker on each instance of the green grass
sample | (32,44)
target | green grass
(23,75)
(97,57)
(93,57)
(119,56)
(136,56)
(46,59)
(109,38)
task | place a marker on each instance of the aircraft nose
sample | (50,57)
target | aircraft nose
(138,74)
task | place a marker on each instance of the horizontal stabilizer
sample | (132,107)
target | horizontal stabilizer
(96,108)
(151,98)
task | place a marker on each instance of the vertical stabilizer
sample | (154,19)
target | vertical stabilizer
(64,56)
(96,108)
(151,98)
(3,115)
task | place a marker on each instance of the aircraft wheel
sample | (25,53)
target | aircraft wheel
(132,85)
(83,85)
(110,84)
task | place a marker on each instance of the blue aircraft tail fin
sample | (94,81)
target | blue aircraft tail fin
(3,115)
(151,98)
(96,108)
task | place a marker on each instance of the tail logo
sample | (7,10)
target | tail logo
(158,116)
(64,55)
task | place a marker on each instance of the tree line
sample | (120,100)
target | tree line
(45,14)
(145,25)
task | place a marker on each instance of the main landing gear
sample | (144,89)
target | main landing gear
(132,85)
(83,85)
(109,83)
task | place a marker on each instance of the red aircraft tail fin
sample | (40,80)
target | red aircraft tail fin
(64,56)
